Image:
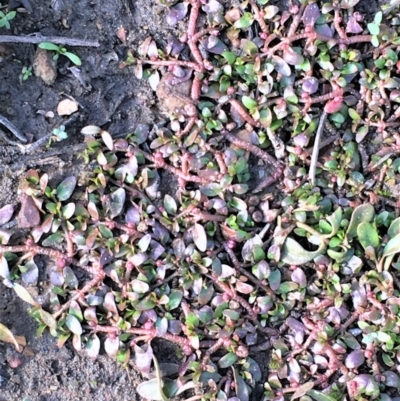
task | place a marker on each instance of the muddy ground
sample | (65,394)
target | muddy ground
(109,97)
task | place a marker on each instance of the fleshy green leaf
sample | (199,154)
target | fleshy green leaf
(361,214)
(66,188)
(74,58)
(368,235)
(7,336)
(294,254)
(227,360)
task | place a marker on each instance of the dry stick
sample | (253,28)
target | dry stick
(59,40)
(314,156)
(160,163)
(13,129)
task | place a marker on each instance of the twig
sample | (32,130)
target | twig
(314,156)
(13,129)
(59,40)
(32,160)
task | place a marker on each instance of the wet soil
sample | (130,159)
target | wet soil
(109,97)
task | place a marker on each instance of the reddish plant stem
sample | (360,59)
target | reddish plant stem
(160,163)
(243,112)
(220,161)
(70,244)
(337,19)
(249,147)
(233,295)
(296,20)
(258,17)
(237,265)
(196,88)
(97,279)
(197,36)
(194,13)
(269,180)
(214,348)
(152,333)
(37,250)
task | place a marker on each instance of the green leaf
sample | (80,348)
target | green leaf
(249,103)
(66,188)
(230,57)
(293,253)
(383,337)
(49,46)
(335,219)
(73,324)
(368,235)
(319,396)
(175,298)
(361,214)
(74,58)
(227,360)
(211,189)
(117,202)
(11,15)
(48,319)
(265,117)
(53,239)
(7,336)
(68,211)
(392,247)
(394,228)
(244,22)
(170,204)
(378,18)
(24,294)
(373,28)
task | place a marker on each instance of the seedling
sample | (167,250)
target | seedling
(6,18)
(25,74)
(60,50)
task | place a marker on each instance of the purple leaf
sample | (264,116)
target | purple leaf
(6,213)
(311,14)
(353,26)
(143,357)
(28,216)
(177,13)
(310,85)
(355,359)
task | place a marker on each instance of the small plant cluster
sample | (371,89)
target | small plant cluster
(216,264)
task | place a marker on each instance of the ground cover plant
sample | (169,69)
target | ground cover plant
(279,233)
